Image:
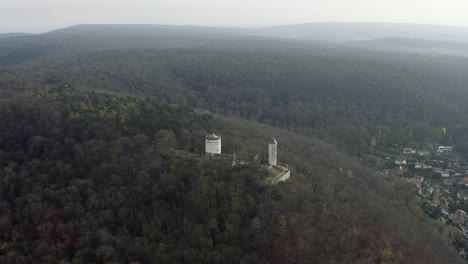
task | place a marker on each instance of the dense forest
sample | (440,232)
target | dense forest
(352,100)
(89,124)
(92,178)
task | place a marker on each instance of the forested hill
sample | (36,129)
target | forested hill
(86,38)
(92,178)
(353,98)
(88,174)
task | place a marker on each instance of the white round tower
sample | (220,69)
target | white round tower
(212,144)
(272,152)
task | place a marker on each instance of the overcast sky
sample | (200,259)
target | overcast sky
(45,15)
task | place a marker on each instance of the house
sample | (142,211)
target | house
(444,212)
(425,166)
(464,181)
(454,162)
(409,180)
(400,160)
(463,195)
(460,217)
(419,165)
(228,159)
(444,173)
(444,149)
(414,181)
(461,212)
(405,180)
(402,171)
(397,172)
(409,151)
(435,197)
(419,178)
(424,153)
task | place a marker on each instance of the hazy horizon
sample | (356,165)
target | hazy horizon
(32,17)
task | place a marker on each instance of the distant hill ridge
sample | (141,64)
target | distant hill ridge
(410,44)
(341,32)
(445,40)
(13,34)
(344,32)
(149,29)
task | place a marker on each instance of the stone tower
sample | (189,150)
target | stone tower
(212,144)
(272,152)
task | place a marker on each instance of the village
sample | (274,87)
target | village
(439,177)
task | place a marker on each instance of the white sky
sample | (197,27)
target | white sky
(45,15)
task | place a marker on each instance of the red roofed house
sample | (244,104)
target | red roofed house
(409,151)
(464,180)
(419,178)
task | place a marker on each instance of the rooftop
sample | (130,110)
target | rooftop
(224,157)
(185,154)
(212,137)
